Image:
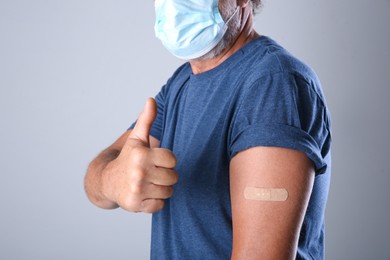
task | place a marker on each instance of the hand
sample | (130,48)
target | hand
(141,177)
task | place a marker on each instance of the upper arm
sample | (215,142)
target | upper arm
(269,229)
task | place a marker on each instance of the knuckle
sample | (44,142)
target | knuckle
(168,157)
(169,192)
(171,177)
(137,175)
(173,160)
(135,189)
(175,177)
(130,203)
(152,206)
(138,155)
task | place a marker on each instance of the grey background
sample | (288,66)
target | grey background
(75,74)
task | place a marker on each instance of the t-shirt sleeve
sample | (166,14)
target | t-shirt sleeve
(283,110)
(158,123)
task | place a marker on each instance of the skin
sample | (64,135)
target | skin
(135,174)
(247,34)
(263,229)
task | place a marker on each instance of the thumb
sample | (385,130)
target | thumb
(144,123)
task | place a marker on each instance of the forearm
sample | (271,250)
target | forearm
(265,248)
(93,182)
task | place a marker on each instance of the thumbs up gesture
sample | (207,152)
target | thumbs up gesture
(141,177)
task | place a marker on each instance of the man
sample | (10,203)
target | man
(233,155)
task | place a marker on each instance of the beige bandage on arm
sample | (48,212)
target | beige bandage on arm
(265,194)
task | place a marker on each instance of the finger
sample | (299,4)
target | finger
(152,205)
(162,176)
(163,158)
(153,191)
(145,121)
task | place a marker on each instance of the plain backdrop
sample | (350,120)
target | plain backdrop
(75,74)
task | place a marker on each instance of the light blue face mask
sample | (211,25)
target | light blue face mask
(189,28)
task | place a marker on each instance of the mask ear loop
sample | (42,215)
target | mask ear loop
(231,17)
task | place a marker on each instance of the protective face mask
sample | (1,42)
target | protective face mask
(189,28)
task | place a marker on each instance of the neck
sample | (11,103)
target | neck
(246,35)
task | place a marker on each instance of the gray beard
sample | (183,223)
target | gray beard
(230,35)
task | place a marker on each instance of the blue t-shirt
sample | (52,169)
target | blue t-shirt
(260,96)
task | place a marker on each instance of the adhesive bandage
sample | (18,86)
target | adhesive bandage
(265,194)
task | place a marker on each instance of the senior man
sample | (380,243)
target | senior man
(232,156)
